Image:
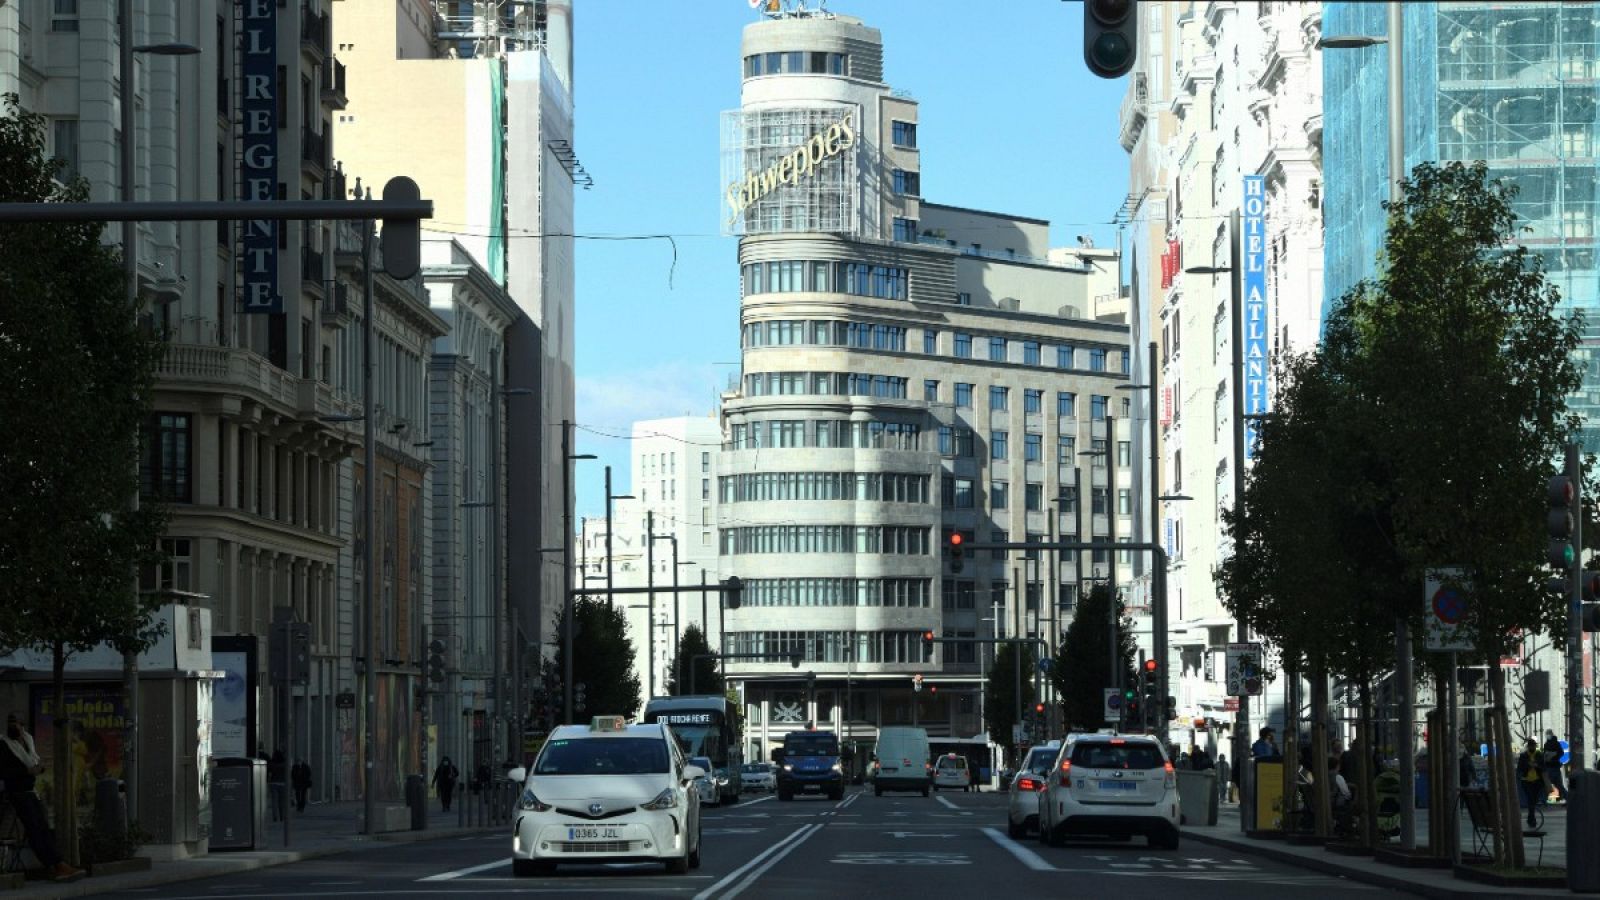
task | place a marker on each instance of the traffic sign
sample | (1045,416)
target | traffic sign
(1113,704)
(1446,593)
(1045,664)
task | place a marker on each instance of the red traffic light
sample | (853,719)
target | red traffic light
(933,689)
(1038,707)
(927,637)
(955,538)
(1150,665)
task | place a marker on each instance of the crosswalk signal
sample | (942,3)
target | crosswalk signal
(436,661)
(1563,513)
(957,553)
(1110,36)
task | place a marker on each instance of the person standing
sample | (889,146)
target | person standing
(1265,749)
(1552,764)
(300,780)
(278,784)
(19,767)
(1530,778)
(444,781)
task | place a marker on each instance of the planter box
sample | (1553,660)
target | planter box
(120,866)
(1417,860)
(1484,876)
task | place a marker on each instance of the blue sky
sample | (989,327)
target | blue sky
(1010,120)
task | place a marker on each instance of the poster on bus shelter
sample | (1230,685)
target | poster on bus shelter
(97,717)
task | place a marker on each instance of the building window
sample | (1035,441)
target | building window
(930,341)
(1030,353)
(963,347)
(174,572)
(997,349)
(999,399)
(963,396)
(1125,502)
(65,16)
(963,298)
(1032,447)
(905,230)
(168,468)
(64,146)
(705,463)
(1066,404)
(1066,450)
(1064,357)
(997,444)
(1032,401)
(1097,406)
(1034,496)
(908,182)
(903,134)
(930,390)
(1097,359)
(965,496)
(1124,453)
(998,498)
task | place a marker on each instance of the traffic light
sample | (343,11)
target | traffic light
(927,646)
(1131,710)
(1563,513)
(732,592)
(1110,36)
(794,658)
(436,661)
(1589,614)
(1171,707)
(1038,709)
(957,554)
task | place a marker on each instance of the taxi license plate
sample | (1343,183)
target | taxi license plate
(1118,786)
(593,834)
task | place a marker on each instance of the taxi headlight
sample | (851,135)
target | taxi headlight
(788,767)
(667,799)
(838,768)
(722,781)
(529,801)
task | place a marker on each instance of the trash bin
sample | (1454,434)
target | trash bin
(238,803)
(1197,796)
(417,799)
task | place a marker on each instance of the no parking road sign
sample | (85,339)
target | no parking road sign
(1447,594)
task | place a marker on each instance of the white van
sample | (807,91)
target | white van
(901,760)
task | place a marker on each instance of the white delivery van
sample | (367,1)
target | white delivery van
(901,762)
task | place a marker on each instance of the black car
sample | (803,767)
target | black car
(811,764)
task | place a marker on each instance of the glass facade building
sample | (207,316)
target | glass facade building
(1513,84)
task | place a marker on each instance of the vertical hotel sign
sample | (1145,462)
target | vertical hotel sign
(1254,221)
(258,171)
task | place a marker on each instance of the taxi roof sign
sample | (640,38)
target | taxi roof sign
(608,723)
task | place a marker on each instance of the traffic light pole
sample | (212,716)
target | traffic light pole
(1575,743)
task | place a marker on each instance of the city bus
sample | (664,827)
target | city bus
(976,750)
(705,725)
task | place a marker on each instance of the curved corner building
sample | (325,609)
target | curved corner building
(910,370)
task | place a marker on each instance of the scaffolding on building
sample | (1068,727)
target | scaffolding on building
(822,196)
(480,28)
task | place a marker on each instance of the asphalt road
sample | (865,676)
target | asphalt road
(947,845)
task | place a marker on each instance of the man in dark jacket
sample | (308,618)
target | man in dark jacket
(1552,764)
(19,766)
(300,780)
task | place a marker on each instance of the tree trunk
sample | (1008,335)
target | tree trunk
(1322,815)
(65,804)
(1369,795)
(1497,791)
(1502,759)
(1289,790)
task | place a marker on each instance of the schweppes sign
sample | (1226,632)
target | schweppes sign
(791,167)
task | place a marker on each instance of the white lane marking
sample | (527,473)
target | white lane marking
(946,801)
(743,804)
(447,876)
(733,876)
(1027,857)
(774,860)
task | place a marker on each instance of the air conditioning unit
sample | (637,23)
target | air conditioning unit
(1070,312)
(1010,303)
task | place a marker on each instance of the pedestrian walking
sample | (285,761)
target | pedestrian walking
(1552,764)
(1530,778)
(278,784)
(19,767)
(1224,778)
(300,780)
(444,781)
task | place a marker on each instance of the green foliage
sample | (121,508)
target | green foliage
(96,845)
(1420,435)
(1000,692)
(706,679)
(1082,668)
(77,371)
(602,661)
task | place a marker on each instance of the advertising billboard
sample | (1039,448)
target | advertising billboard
(791,169)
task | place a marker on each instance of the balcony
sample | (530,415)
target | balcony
(1135,111)
(315,33)
(314,150)
(333,94)
(224,95)
(313,270)
(203,367)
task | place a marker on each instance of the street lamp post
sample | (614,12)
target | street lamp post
(674,539)
(610,527)
(1158,609)
(567,458)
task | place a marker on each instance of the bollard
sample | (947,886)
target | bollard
(1583,829)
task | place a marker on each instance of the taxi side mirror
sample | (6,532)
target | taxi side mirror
(690,773)
(519,775)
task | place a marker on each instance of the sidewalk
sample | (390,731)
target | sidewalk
(1426,882)
(322,830)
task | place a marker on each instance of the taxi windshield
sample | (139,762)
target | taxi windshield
(603,756)
(811,745)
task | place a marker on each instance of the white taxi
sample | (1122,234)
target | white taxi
(1109,784)
(607,792)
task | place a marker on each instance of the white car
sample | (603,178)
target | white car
(1114,785)
(1027,786)
(607,792)
(951,771)
(758,777)
(706,784)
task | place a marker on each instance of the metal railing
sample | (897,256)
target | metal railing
(314,30)
(488,805)
(314,148)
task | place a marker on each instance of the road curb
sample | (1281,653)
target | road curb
(1354,873)
(219,864)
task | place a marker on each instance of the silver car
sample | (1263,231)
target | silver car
(706,784)
(758,777)
(1027,786)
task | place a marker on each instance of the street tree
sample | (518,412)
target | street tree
(1082,668)
(1000,700)
(694,666)
(602,662)
(77,369)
